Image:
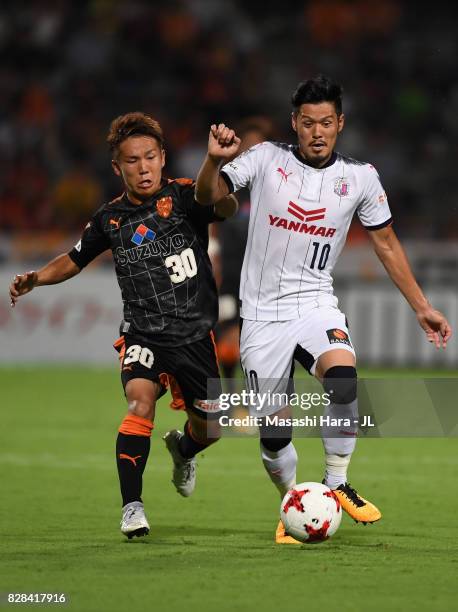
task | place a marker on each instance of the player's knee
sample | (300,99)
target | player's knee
(340,382)
(275,444)
(275,437)
(141,395)
(142,407)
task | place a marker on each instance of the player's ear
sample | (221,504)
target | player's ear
(340,123)
(163,158)
(294,121)
(116,168)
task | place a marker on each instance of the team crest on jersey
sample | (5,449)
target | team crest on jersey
(338,336)
(164,206)
(342,187)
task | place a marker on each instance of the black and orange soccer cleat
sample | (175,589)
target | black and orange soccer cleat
(360,510)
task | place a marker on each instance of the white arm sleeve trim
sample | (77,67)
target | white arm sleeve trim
(243,169)
(373,209)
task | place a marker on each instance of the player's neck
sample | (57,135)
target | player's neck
(133,199)
(324,163)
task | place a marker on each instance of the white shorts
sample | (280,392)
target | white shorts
(268,348)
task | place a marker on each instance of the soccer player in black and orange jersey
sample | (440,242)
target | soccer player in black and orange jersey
(158,235)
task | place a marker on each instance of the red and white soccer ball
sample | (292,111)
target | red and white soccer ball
(310,512)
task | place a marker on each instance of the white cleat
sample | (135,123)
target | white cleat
(133,522)
(184,470)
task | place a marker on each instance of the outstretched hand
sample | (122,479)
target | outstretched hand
(436,326)
(22,284)
(223,144)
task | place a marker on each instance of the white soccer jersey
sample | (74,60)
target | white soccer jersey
(299,222)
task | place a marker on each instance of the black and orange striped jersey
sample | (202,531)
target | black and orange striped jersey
(160,254)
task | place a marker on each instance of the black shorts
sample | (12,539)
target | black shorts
(192,366)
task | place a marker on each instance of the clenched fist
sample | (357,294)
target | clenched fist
(223,144)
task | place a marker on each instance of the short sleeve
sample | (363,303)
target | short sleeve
(242,170)
(198,212)
(373,211)
(204,214)
(92,243)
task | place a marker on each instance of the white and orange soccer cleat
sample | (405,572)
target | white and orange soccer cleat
(281,537)
(360,510)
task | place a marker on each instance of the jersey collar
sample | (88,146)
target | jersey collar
(164,183)
(299,157)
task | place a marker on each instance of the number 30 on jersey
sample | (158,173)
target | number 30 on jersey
(182,266)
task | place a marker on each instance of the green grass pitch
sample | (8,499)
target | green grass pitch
(60,514)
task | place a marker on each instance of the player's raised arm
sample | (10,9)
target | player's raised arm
(390,252)
(56,271)
(223,145)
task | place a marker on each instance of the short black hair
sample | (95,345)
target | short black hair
(319,89)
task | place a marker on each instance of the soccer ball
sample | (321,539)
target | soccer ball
(310,512)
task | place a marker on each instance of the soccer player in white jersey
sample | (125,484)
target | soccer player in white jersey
(303,198)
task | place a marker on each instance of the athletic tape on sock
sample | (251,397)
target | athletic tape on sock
(133,425)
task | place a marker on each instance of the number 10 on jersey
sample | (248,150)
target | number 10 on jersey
(322,259)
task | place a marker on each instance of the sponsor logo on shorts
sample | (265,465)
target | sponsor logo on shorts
(208,405)
(338,336)
(342,187)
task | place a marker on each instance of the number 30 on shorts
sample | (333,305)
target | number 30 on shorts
(141,354)
(183,265)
